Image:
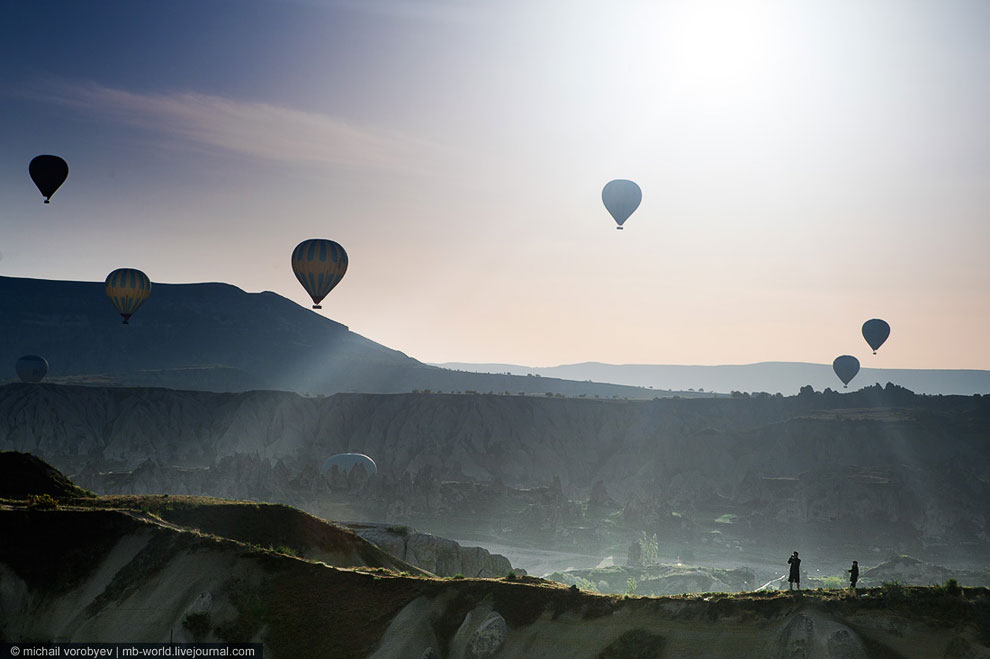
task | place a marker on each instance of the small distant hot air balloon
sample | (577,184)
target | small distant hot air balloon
(846,367)
(876,331)
(31,368)
(127,288)
(345,462)
(319,265)
(48,173)
(621,198)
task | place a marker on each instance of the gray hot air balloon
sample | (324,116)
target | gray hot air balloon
(31,368)
(846,367)
(345,462)
(876,331)
(621,198)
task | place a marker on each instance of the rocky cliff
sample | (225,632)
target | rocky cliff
(130,577)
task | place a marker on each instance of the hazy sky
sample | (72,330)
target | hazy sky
(805,166)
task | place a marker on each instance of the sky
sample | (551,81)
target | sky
(806,165)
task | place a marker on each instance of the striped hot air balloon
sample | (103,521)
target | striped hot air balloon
(319,265)
(127,288)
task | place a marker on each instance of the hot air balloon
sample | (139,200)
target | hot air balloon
(621,198)
(31,368)
(345,462)
(846,367)
(319,265)
(48,173)
(876,331)
(127,288)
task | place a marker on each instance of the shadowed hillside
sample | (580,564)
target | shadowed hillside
(216,337)
(125,575)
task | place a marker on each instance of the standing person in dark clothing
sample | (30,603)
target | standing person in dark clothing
(853,575)
(795,574)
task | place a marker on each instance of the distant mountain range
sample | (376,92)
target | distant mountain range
(772,377)
(216,337)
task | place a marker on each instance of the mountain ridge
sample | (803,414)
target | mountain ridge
(772,376)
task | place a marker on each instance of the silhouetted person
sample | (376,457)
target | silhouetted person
(795,574)
(853,575)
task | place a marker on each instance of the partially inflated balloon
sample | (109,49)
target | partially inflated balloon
(48,173)
(346,462)
(319,265)
(875,332)
(127,288)
(621,198)
(31,368)
(846,367)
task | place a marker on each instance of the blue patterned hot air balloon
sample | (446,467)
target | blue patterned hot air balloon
(319,265)
(127,288)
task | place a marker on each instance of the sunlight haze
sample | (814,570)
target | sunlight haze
(805,166)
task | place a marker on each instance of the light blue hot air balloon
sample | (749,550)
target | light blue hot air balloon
(346,462)
(846,367)
(621,198)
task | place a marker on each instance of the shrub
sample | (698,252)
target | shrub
(288,551)
(631,586)
(892,590)
(833,582)
(952,587)
(399,530)
(511,576)
(42,502)
(458,576)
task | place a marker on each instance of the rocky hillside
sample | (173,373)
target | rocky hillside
(879,469)
(216,337)
(136,577)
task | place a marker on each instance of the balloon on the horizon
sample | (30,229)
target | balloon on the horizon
(621,198)
(876,331)
(127,288)
(48,173)
(319,265)
(31,368)
(345,462)
(846,367)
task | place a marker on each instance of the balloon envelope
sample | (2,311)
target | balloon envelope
(31,368)
(48,173)
(345,462)
(621,198)
(846,367)
(876,331)
(319,265)
(127,288)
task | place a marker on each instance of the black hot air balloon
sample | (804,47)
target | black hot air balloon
(48,173)
(31,368)
(876,331)
(846,367)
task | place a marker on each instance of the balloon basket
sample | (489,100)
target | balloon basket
(616,228)
(316,306)
(47,200)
